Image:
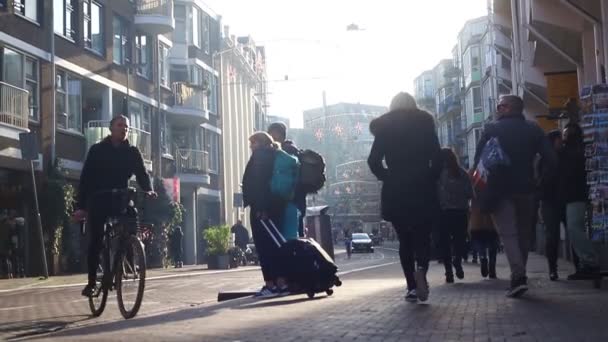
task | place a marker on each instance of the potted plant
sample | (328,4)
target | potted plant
(217,239)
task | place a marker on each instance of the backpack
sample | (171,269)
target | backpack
(312,171)
(284,175)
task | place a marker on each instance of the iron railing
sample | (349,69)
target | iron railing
(192,161)
(155,7)
(189,96)
(99,129)
(14,106)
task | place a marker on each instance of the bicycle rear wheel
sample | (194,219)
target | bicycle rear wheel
(99,298)
(131,278)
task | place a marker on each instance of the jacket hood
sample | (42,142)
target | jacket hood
(380,123)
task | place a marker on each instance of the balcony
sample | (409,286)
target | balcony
(14,106)
(155,16)
(99,129)
(190,105)
(192,166)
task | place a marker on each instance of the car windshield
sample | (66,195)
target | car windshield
(361,236)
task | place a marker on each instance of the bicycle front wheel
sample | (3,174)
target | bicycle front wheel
(131,278)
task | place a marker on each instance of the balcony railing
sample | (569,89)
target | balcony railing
(14,105)
(155,7)
(192,161)
(189,96)
(99,129)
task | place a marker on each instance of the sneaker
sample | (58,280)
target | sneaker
(422,285)
(449,278)
(411,296)
(518,287)
(267,292)
(88,290)
(484,268)
(459,271)
(553,276)
(283,291)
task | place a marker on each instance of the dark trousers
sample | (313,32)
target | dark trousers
(553,214)
(96,226)
(414,248)
(452,237)
(266,247)
(485,243)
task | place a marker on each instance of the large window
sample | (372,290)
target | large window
(68,102)
(143,54)
(120,41)
(65,17)
(205,35)
(163,67)
(212,142)
(196,26)
(26,8)
(140,116)
(21,71)
(92,17)
(179,34)
(212,93)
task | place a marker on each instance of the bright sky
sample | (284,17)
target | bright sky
(308,41)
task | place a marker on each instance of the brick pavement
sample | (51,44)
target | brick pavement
(370,307)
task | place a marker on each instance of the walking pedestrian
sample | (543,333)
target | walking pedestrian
(521,140)
(265,206)
(241,235)
(177,243)
(573,192)
(484,239)
(406,140)
(455,192)
(552,209)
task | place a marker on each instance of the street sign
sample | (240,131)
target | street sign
(29,146)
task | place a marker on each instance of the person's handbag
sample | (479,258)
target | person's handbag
(490,175)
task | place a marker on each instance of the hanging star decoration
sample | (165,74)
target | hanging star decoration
(338,130)
(319,134)
(359,128)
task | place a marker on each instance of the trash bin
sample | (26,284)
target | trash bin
(318,223)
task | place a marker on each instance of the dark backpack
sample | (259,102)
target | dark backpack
(312,171)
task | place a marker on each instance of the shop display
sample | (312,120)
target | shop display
(594,122)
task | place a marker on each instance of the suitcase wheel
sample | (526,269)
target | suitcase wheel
(329,292)
(311,295)
(338,282)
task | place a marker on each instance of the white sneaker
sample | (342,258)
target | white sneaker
(266,292)
(422,285)
(411,296)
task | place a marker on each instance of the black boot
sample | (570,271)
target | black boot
(449,278)
(492,265)
(484,267)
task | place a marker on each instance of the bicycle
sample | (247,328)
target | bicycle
(122,257)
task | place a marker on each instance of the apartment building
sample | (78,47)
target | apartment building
(243,88)
(66,71)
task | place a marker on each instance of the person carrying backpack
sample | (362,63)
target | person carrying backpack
(311,177)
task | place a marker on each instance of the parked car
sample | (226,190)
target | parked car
(361,242)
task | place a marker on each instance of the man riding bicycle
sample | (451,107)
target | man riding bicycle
(109,165)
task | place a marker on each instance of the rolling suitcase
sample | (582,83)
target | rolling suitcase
(306,265)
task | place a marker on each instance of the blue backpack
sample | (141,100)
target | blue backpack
(284,175)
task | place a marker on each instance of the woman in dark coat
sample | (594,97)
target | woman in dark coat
(406,139)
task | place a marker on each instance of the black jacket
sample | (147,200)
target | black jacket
(256,181)
(407,141)
(108,167)
(572,175)
(521,140)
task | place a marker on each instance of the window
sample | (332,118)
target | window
(21,71)
(196,75)
(212,141)
(163,67)
(92,17)
(143,55)
(121,41)
(196,27)
(205,33)
(477,105)
(179,34)
(26,8)
(31,85)
(140,116)
(212,92)
(65,18)
(68,102)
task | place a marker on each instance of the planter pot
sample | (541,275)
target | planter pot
(218,262)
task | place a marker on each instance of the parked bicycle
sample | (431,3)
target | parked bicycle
(122,263)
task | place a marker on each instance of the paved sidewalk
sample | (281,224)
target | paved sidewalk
(370,307)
